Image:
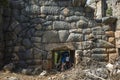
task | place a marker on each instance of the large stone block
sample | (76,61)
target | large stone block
(109,33)
(106,28)
(104,44)
(99,51)
(72,18)
(75,37)
(59,46)
(111,50)
(50,10)
(112,57)
(61,25)
(50,36)
(63,35)
(100,57)
(108,20)
(117,34)
(97,28)
(117,42)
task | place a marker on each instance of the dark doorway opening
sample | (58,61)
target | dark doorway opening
(119,51)
(63,59)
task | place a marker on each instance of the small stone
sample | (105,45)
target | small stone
(44,73)
(38,27)
(9,67)
(66,12)
(12,78)
(111,40)
(81,24)
(27,71)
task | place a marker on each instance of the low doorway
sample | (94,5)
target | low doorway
(63,59)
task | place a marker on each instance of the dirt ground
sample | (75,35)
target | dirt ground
(53,76)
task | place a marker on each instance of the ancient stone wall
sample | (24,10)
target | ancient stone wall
(33,28)
(116,13)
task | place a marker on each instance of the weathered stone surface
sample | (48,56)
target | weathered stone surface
(50,18)
(72,18)
(73,25)
(108,20)
(9,67)
(57,25)
(50,10)
(110,33)
(100,57)
(66,12)
(38,33)
(38,27)
(81,24)
(47,23)
(27,71)
(50,36)
(37,53)
(12,78)
(60,46)
(27,43)
(86,31)
(98,36)
(104,44)
(18,48)
(29,54)
(32,9)
(112,57)
(75,30)
(37,21)
(117,34)
(75,37)
(89,9)
(99,51)
(117,42)
(111,40)
(87,45)
(50,3)
(36,39)
(10,36)
(106,28)
(63,35)
(86,37)
(111,50)
(97,28)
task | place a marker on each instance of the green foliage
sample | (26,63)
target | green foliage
(109,11)
(4,3)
